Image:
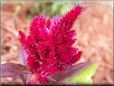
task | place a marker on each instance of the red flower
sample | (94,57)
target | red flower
(49,44)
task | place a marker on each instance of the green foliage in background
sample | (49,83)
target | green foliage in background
(84,76)
(49,8)
(61,7)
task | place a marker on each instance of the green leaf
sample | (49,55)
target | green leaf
(64,8)
(84,76)
(56,6)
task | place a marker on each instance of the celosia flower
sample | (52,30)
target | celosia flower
(49,44)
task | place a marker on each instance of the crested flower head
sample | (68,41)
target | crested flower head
(49,44)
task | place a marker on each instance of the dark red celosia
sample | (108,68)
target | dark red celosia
(49,44)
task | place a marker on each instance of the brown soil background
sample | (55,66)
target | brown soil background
(94,29)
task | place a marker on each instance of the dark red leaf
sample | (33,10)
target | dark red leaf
(13,70)
(22,56)
(70,71)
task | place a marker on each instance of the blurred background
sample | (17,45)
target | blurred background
(94,28)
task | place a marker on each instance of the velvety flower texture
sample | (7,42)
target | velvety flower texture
(49,44)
